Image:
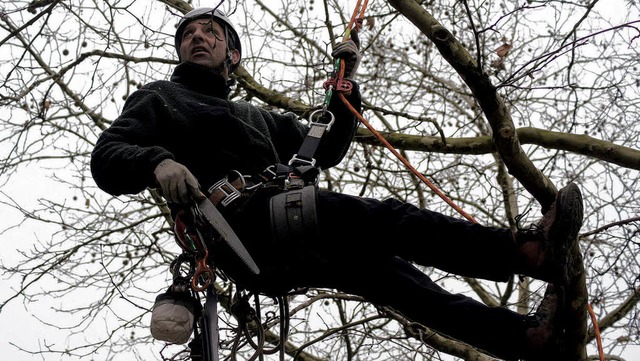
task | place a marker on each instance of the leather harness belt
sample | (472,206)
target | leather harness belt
(224,191)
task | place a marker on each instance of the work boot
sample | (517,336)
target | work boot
(544,335)
(543,249)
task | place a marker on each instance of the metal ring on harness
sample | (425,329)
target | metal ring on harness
(324,112)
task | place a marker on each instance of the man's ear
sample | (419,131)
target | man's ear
(234,55)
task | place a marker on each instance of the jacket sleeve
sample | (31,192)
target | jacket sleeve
(126,154)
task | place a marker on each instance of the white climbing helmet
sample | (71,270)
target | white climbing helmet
(233,39)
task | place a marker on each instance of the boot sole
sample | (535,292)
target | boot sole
(563,234)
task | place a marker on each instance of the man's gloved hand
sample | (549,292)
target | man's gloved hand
(178,185)
(349,51)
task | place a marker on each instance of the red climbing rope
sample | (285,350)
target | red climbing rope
(356,21)
(597,331)
(405,161)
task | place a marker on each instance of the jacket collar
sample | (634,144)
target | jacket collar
(201,79)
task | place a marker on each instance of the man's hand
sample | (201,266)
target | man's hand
(349,51)
(178,185)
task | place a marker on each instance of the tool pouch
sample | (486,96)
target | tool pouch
(293,214)
(173,317)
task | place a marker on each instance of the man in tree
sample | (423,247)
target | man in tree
(184,135)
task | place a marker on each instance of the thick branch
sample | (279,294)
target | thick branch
(504,134)
(579,144)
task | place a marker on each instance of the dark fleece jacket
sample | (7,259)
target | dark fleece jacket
(189,119)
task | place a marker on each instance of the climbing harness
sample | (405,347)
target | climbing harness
(293,211)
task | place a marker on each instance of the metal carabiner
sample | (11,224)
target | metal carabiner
(324,112)
(182,268)
(204,275)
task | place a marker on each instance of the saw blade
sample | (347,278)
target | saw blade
(217,221)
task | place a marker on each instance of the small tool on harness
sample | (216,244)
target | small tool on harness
(192,242)
(209,326)
(201,275)
(175,311)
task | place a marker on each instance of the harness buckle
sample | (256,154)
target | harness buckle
(229,191)
(295,160)
(275,172)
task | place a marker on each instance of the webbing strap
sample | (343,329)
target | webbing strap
(210,327)
(306,153)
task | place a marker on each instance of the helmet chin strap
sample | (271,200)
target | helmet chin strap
(226,66)
(228,63)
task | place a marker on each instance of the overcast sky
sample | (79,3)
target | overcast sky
(25,326)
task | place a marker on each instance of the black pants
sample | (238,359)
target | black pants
(366,247)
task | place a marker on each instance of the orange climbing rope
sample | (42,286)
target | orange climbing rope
(356,21)
(405,161)
(597,331)
(356,18)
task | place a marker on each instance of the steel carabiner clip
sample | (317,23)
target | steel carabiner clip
(204,275)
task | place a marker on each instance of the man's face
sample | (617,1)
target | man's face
(204,43)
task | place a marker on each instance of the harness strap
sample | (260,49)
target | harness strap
(225,192)
(210,325)
(312,140)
